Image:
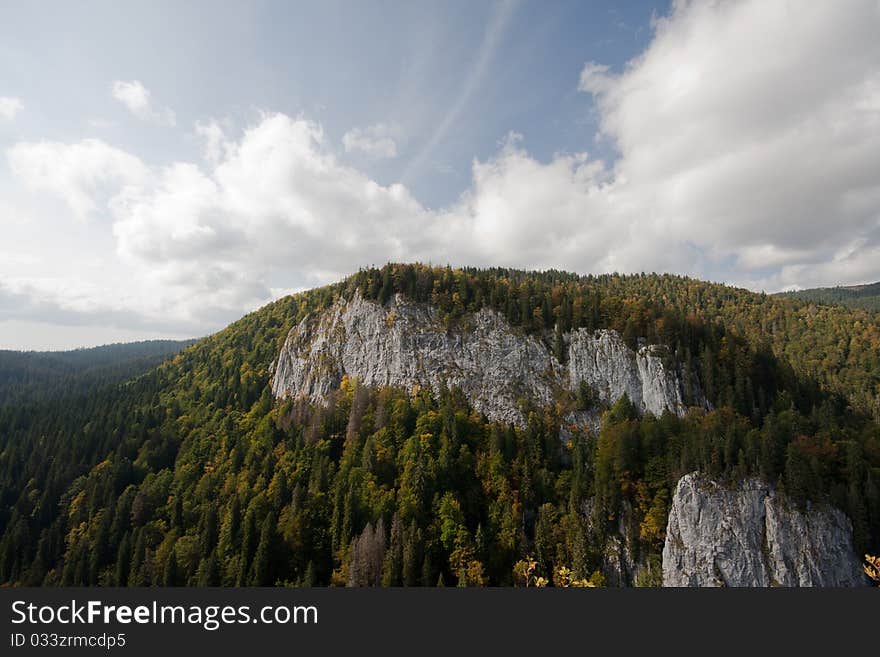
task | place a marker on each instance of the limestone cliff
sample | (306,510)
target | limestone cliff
(405,344)
(750,536)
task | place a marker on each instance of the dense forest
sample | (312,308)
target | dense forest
(853,296)
(35,376)
(192,474)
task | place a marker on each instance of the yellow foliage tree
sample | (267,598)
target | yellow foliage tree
(872,568)
(565,578)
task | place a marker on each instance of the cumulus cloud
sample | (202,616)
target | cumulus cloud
(528,213)
(136,97)
(277,198)
(83,174)
(751,130)
(376,140)
(207,242)
(9,107)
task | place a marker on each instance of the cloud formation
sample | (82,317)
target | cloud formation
(751,130)
(205,243)
(492,38)
(213,135)
(9,107)
(375,140)
(85,174)
(747,139)
(137,99)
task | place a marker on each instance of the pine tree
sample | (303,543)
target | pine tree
(559,350)
(170,574)
(261,569)
(392,574)
(208,573)
(123,561)
(411,554)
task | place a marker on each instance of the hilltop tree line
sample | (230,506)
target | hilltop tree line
(28,377)
(856,296)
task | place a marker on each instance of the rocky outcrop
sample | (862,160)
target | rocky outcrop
(612,369)
(405,344)
(750,536)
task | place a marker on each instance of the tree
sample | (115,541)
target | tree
(170,574)
(101,480)
(392,572)
(367,557)
(123,560)
(261,569)
(559,350)
(872,568)
(525,573)
(209,571)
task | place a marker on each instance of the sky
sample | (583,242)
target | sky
(167,167)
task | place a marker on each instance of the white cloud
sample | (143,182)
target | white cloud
(201,244)
(376,140)
(523,212)
(751,130)
(213,134)
(595,78)
(137,99)
(277,200)
(87,311)
(748,135)
(9,107)
(82,174)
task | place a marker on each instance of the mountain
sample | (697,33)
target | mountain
(26,375)
(854,296)
(410,425)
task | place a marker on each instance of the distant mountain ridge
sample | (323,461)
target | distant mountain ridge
(24,374)
(852,296)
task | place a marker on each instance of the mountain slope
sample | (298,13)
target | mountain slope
(26,374)
(866,297)
(194,473)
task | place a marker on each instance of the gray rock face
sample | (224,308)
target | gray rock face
(404,344)
(749,536)
(611,368)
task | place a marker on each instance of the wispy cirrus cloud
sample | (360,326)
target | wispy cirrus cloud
(492,38)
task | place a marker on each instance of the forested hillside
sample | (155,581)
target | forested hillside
(854,296)
(29,376)
(193,474)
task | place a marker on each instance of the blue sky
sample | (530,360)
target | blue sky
(170,166)
(342,63)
